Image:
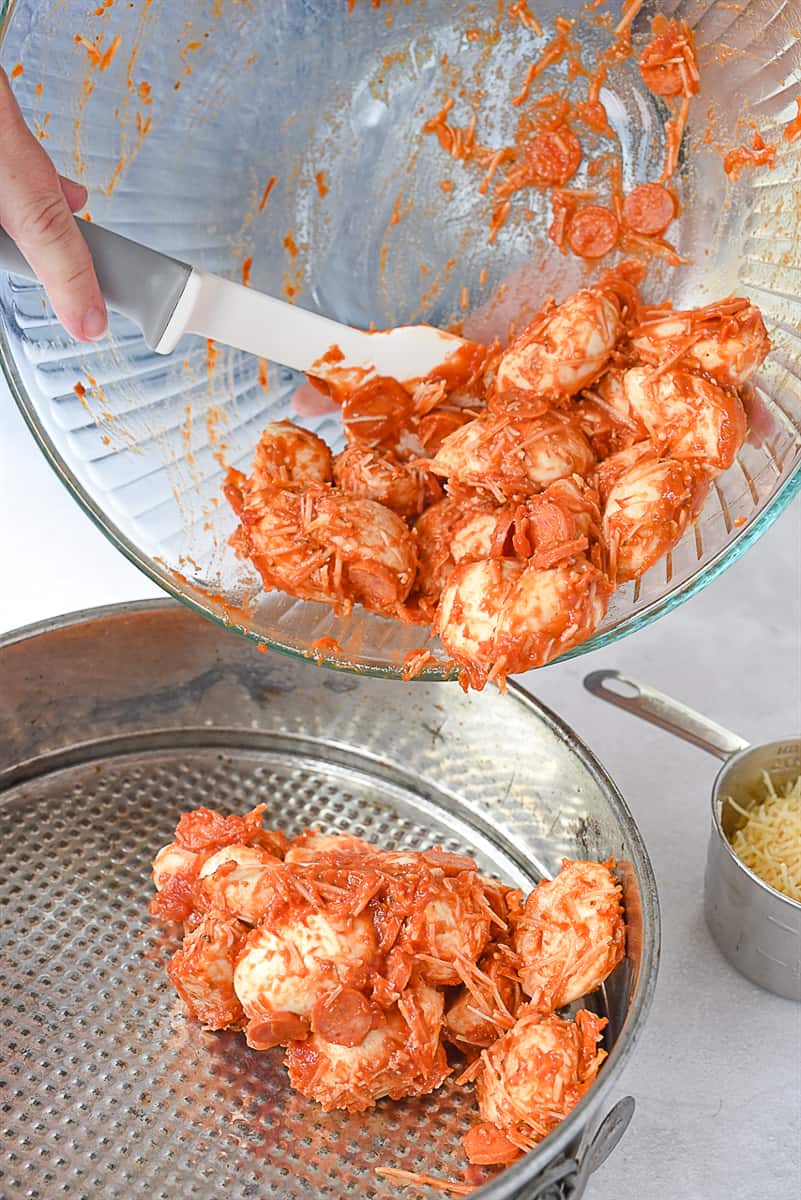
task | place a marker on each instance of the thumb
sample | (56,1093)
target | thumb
(74,193)
(35,212)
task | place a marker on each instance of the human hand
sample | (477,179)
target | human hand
(36,206)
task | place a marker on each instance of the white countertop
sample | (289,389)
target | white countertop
(717,1073)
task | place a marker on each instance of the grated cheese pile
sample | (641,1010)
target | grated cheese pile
(770,841)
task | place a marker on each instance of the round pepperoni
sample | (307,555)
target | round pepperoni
(649,209)
(667,64)
(660,77)
(376,413)
(593,231)
(342,1017)
(277,1029)
(374,584)
(554,156)
(436,425)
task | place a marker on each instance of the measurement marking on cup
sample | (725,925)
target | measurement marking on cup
(771,957)
(781,925)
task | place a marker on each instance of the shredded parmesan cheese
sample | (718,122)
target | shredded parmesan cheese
(415,1179)
(770,841)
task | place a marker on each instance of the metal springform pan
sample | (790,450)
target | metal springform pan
(113,722)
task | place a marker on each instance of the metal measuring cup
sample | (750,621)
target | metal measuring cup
(757,928)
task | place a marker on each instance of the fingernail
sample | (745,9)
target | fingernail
(95,324)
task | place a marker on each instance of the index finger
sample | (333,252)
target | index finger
(34,211)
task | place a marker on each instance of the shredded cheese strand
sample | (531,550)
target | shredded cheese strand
(769,843)
(415,1179)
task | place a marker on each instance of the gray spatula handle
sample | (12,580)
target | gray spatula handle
(136,281)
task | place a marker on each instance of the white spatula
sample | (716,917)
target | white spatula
(167,298)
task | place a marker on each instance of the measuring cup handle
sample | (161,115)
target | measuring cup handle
(651,705)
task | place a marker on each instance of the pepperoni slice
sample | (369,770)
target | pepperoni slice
(485,1145)
(593,232)
(376,413)
(554,156)
(374,583)
(277,1029)
(342,1017)
(667,64)
(436,425)
(517,402)
(661,77)
(309,400)
(649,209)
(549,526)
(449,862)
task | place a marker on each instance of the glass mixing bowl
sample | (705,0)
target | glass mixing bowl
(290,134)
